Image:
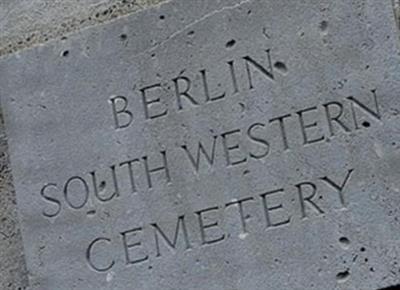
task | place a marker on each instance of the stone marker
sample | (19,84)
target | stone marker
(233,145)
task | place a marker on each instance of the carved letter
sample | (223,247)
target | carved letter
(85,192)
(258,140)
(268,209)
(184,93)
(308,199)
(229,148)
(335,118)
(172,244)
(164,168)
(233,76)
(305,126)
(282,127)
(375,114)
(51,200)
(130,170)
(209,98)
(128,246)
(243,217)
(208,156)
(338,187)
(203,227)
(269,73)
(122,111)
(103,184)
(147,103)
(89,256)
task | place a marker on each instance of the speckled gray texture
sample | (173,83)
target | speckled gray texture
(12,264)
(295,185)
(30,22)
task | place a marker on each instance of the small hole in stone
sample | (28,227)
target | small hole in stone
(123,36)
(65,53)
(366,124)
(102,185)
(344,240)
(230,43)
(323,25)
(343,276)
(362,249)
(162,17)
(280,66)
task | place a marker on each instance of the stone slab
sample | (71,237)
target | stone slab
(233,145)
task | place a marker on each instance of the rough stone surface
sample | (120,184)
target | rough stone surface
(30,22)
(319,189)
(12,264)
